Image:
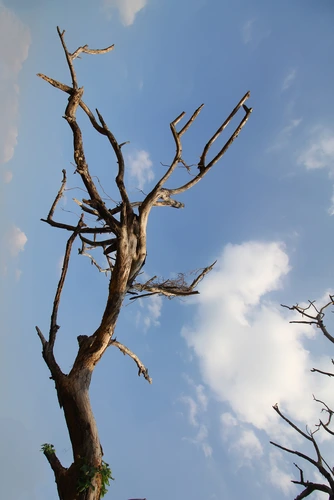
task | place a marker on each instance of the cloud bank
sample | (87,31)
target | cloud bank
(249,355)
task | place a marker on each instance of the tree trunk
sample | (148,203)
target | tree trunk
(73,395)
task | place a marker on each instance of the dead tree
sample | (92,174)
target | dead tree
(120,231)
(312,315)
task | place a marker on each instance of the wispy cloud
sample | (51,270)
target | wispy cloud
(284,136)
(244,444)
(196,407)
(289,79)
(247,31)
(319,153)
(254,31)
(200,439)
(16,240)
(128,9)
(228,422)
(14,45)
(140,167)
(247,446)
(277,474)
(150,312)
(193,409)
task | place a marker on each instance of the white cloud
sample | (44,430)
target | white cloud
(140,167)
(16,240)
(289,79)
(128,9)
(319,153)
(14,45)
(7,176)
(249,356)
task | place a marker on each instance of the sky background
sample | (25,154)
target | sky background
(218,361)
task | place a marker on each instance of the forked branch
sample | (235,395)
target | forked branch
(320,463)
(314,315)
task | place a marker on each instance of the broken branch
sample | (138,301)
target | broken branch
(142,370)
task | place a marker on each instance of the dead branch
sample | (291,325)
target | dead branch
(86,209)
(142,370)
(294,426)
(320,463)
(322,372)
(170,288)
(315,319)
(82,251)
(310,487)
(330,413)
(54,327)
(79,155)
(95,243)
(59,195)
(121,167)
(87,50)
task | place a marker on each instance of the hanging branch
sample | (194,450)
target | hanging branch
(142,370)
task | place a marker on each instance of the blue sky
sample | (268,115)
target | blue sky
(220,361)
